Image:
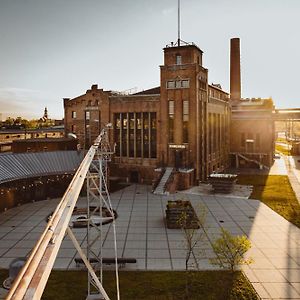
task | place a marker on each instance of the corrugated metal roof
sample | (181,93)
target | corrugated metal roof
(15,166)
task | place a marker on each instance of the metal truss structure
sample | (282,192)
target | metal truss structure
(98,203)
(33,277)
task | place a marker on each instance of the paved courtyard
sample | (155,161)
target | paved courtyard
(142,234)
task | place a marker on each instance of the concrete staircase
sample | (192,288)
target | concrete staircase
(160,189)
(261,166)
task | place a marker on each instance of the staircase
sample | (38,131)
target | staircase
(160,189)
(261,166)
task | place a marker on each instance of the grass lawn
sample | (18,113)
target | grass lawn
(221,285)
(276,192)
(282,149)
(281,140)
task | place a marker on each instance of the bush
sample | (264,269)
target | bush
(230,250)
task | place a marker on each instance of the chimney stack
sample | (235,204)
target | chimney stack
(235,69)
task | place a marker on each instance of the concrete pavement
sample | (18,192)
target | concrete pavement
(142,234)
(292,164)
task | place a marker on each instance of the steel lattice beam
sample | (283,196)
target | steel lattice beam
(33,277)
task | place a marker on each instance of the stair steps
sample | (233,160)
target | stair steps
(161,187)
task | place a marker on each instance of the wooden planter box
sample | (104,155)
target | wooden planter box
(222,183)
(175,211)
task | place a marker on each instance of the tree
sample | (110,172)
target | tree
(32,124)
(230,250)
(9,121)
(192,236)
(18,121)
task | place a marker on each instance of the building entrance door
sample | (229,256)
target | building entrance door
(178,159)
(134,176)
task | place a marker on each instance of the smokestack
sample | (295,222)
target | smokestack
(235,69)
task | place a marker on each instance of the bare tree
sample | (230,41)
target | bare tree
(193,235)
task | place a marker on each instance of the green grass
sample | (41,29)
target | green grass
(218,285)
(276,192)
(282,149)
(281,140)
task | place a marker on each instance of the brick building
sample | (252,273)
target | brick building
(182,125)
(8,136)
(252,142)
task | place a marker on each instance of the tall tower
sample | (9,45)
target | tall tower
(235,69)
(45,114)
(183,80)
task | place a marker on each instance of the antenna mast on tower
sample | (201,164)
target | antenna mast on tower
(178,41)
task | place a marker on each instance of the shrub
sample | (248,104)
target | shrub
(230,250)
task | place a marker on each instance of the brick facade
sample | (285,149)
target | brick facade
(184,123)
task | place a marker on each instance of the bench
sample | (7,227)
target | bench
(122,261)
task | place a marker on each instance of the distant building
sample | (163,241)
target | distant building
(7,136)
(185,129)
(252,140)
(295,148)
(182,124)
(44,145)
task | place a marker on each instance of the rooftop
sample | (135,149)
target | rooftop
(14,166)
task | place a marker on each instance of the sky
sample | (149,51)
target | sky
(57,49)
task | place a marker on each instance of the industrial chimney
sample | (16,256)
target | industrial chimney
(235,69)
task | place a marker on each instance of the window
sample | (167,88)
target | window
(131,134)
(124,137)
(170,84)
(185,119)
(199,60)
(117,133)
(138,124)
(153,135)
(73,129)
(87,115)
(185,83)
(171,121)
(178,59)
(146,124)
(171,107)
(73,114)
(135,134)
(177,84)
(210,137)
(186,109)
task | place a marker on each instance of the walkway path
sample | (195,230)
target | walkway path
(142,234)
(293,171)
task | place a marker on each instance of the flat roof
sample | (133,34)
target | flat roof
(15,166)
